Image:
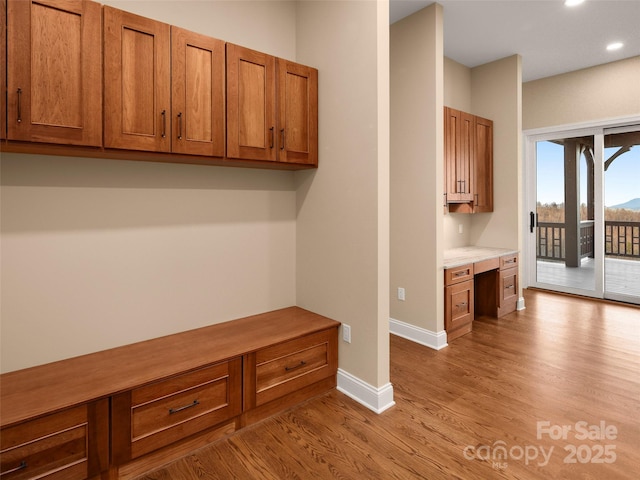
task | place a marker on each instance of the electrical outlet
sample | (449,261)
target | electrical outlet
(346,333)
(401,293)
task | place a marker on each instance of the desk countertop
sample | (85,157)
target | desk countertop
(456,257)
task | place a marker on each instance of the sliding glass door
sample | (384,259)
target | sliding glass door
(622,214)
(584,212)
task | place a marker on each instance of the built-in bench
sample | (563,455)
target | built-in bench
(120,412)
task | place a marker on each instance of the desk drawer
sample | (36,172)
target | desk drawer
(52,447)
(458,274)
(287,367)
(508,261)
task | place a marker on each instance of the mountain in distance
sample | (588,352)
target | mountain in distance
(630,205)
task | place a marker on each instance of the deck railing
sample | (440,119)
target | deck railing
(621,239)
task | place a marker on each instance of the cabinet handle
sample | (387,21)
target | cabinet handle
(445,199)
(22,466)
(180,126)
(271,137)
(463,304)
(301,364)
(19,105)
(461,273)
(507,288)
(164,123)
(282,139)
(184,407)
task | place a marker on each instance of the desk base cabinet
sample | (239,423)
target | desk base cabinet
(485,288)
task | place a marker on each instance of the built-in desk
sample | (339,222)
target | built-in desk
(478,281)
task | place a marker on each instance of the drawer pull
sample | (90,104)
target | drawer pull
(507,288)
(513,260)
(463,304)
(184,407)
(461,273)
(301,364)
(22,466)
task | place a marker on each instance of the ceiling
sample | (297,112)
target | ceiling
(550,37)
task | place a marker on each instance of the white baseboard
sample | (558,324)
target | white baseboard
(435,340)
(376,399)
(520,304)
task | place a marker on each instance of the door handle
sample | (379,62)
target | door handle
(532,221)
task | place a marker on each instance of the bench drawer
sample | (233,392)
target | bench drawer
(290,366)
(170,410)
(52,447)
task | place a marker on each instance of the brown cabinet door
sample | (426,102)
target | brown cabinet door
(459,150)
(508,289)
(251,94)
(197,101)
(3,62)
(137,85)
(459,310)
(483,166)
(54,71)
(297,138)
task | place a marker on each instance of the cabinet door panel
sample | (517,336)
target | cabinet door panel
(3,61)
(137,82)
(198,73)
(459,309)
(298,113)
(251,117)
(54,74)
(458,154)
(483,166)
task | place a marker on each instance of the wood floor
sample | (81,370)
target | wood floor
(485,407)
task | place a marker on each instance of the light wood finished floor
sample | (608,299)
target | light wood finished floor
(562,361)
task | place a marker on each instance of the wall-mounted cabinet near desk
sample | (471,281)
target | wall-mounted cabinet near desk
(468,162)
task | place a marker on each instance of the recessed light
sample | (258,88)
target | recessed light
(572,3)
(615,46)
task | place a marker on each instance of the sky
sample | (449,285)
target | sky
(622,178)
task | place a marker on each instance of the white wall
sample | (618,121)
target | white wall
(342,208)
(496,93)
(603,92)
(417,142)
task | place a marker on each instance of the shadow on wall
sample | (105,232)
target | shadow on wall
(46,193)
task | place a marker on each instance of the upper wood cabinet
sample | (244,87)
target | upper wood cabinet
(458,154)
(251,109)
(164,87)
(197,98)
(298,113)
(483,166)
(272,108)
(137,82)
(3,61)
(468,158)
(54,71)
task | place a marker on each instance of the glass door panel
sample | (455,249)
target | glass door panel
(622,214)
(564,216)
